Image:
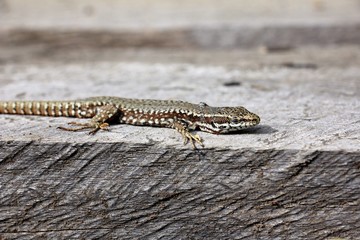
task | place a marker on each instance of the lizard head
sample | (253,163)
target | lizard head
(227,119)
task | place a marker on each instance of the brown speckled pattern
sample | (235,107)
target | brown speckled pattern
(182,116)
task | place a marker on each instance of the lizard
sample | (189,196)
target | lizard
(179,115)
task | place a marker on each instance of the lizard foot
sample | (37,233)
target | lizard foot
(193,138)
(188,137)
(96,127)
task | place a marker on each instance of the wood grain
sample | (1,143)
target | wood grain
(103,190)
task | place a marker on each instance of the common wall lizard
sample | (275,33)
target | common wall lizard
(182,116)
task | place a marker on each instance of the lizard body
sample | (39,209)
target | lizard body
(182,116)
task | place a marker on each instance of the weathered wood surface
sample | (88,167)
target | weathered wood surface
(239,36)
(164,24)
(115,190)
(295,176)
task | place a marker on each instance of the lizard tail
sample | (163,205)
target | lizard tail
(40,108)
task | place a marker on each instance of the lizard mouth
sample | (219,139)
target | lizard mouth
(252,123)
(229,127)
(243,125)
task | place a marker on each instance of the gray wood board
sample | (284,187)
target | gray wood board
(275,36)
(115,190)
(294,176)
(164,24)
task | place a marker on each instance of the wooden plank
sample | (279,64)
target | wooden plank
(108,190)
(295,176)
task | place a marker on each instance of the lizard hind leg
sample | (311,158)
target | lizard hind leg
(99,121)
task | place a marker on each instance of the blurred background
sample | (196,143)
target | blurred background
(249,36)
(40,29)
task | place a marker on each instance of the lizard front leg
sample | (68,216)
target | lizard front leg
(183,130)
(99,121)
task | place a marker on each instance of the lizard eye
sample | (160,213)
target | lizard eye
(234,121)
